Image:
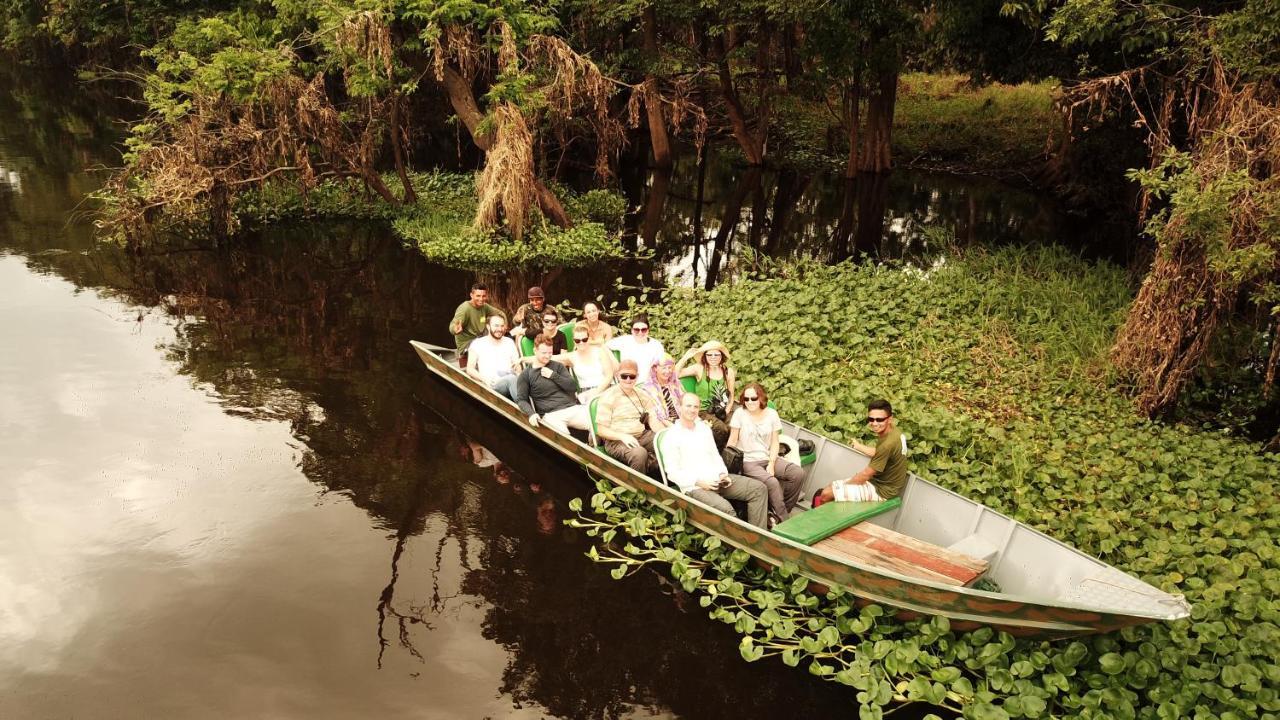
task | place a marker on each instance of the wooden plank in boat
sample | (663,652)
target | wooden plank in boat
(881,547)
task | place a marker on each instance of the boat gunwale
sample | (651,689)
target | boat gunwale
(620,474)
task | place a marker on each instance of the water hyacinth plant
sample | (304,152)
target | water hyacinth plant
(995,363)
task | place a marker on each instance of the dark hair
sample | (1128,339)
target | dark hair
(543,340)
(640,318)
(880,404)
(593,303)
(479,286)
(764,396)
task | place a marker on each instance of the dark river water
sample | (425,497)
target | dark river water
(229,490)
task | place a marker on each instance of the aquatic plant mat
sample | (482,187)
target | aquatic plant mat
(996,366)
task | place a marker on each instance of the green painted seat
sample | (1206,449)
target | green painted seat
(566,329)
(526,346)
(662,465)
(830,518)
(591,410)
(689,383)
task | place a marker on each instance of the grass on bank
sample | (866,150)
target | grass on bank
(940,120)
(995,364)
(439,224)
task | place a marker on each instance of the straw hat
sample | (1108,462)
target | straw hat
(711,345)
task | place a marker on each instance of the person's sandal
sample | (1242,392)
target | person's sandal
(817,500)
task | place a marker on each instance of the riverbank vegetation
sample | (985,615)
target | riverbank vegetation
(997,366)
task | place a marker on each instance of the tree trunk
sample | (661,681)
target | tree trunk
(658,138)
(752,148)
(877,156)
(654,205)
(853,115)
(550,206)
(463,100)
(397,150)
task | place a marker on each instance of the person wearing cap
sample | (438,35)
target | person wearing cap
(638,347)
(471,320)
(627,420)
(528,319)
(714,384)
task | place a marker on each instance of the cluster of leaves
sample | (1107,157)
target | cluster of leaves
(995,364)
(439,222)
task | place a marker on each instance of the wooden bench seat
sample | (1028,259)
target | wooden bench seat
(881,547)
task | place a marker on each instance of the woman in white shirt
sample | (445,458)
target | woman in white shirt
(754,429)
(592,365)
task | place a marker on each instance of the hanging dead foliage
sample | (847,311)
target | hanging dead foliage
(287,129)
(508,186)
(1218,250)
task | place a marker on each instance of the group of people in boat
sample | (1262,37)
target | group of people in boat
(639,393)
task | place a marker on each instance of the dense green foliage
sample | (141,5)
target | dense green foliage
(995,365)
(439,222)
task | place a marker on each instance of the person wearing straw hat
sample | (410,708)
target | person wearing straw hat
(714,384)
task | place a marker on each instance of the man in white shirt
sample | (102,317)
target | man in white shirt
(691,461)
(493,359)
(638,346)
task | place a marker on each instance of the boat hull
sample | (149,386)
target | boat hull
(966,607)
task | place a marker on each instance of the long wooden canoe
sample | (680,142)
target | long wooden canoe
(907,558)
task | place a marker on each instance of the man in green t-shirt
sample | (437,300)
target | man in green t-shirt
(886,475)
(471,319)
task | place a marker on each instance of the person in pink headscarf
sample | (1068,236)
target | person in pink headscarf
(664,386)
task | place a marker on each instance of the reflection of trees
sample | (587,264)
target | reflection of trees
(793,214)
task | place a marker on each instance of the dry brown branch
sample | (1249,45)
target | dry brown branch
(1230,128)
(508,186)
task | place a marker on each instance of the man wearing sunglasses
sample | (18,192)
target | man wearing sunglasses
(886,475)
(638,346)
(627,418)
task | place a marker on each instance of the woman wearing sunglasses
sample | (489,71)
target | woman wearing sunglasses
(592,365)
(754,429)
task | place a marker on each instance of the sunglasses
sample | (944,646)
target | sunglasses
(877,420)
(580,339)
(749,398)
(639,329)
(627,376)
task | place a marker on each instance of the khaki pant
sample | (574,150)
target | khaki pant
(742,488)
(641,458)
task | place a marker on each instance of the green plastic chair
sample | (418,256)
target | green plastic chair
(662,464)
(526,346)
(566,329)
(591,410)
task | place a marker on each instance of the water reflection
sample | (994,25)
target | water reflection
(699,217)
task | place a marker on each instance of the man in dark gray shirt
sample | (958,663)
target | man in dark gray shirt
(546,392)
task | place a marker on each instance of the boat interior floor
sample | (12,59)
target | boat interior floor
(871,544)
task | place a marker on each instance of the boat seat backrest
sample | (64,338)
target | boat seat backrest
(526,346)
(566,329)
(662,463)
(592,408)
(830,518)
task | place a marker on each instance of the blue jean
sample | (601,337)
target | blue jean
(505,386)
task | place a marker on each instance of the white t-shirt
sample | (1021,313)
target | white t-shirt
(690,455)
(755,438)
(642,353)
(494,358)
